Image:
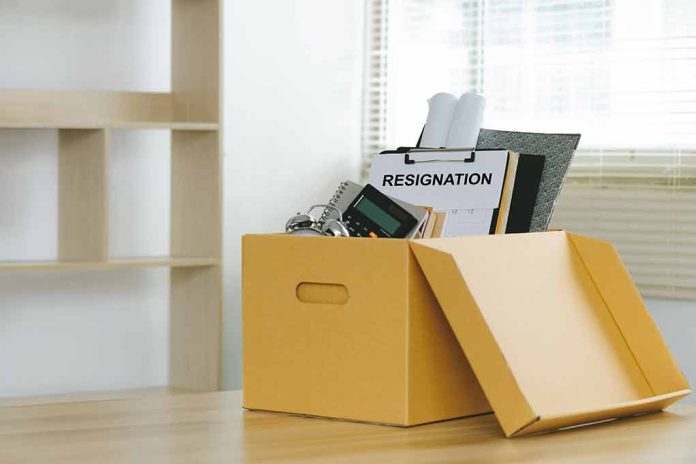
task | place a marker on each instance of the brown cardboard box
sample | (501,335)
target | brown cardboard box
(349,328)
(551,323)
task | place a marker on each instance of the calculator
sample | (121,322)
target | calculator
(373,214)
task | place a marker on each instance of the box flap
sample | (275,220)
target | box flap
(537,330)
(470,328)
(652,404)
(622,298)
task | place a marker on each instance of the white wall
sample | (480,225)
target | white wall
(677,322)
(293,102)
(292,133)
(78,331)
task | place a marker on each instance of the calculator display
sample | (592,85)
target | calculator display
(377,215)
(373,214)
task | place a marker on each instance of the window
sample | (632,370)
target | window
(620,72)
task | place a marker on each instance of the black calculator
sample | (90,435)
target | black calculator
(373,214)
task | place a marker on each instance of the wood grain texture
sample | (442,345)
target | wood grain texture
(81,397)
(82,195)
(196,222)
(196,52)
(213,428)
(76,108)
(196,200)
(195,325)
(113,263)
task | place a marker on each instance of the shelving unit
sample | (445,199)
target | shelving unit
(84,120)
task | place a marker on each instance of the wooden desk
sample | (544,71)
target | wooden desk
(212,427)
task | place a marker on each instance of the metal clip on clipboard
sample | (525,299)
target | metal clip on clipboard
(470,159)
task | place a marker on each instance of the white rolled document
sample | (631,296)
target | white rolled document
(441,107)
(466,121)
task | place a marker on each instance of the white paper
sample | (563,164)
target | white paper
(459,222)
(466,121)
(441,108)
(475,185)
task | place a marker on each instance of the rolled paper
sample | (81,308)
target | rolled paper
(466,121)
(441,108)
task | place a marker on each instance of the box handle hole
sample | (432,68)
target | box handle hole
(322,293)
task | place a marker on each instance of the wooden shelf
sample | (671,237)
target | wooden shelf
(82,397)
(187,126)
(117,263)
(39,109)
(192,111)
(141,125)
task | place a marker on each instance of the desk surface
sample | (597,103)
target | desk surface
(213,428)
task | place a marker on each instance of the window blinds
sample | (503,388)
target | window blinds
(375,86)
(621,72)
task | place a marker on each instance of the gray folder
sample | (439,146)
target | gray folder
(558,151)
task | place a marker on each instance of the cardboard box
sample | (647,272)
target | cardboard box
(552,324)
(349,328)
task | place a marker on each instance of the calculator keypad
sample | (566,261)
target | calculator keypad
(356,228)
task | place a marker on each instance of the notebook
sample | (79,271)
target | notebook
(557,151)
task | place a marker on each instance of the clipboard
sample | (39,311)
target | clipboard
(445,179)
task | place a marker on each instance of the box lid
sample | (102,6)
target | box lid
(553,326)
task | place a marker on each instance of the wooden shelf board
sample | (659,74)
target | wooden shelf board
(173,125)
(75,109)
(115,263)
(133,125)
(91,396)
